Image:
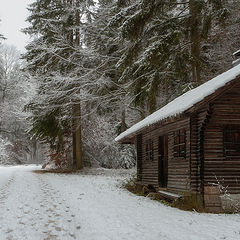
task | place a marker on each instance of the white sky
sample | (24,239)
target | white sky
(13,14)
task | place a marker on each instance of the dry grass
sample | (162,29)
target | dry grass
(188,201)
(132,186)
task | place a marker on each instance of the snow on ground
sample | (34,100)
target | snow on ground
(92,206)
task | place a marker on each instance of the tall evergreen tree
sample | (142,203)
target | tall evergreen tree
(109,101)
(164,45)
(55,57)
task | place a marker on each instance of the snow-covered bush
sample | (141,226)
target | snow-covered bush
(12,152)
(230,202)
(16,89)
(4,151)
(99,146)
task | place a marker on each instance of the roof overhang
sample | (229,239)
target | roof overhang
(180,107)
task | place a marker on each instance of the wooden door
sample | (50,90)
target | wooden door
(163,161)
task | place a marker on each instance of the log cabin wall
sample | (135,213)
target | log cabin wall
(196,123)
(150,167)
(138,144)
(218,167)
(178,168)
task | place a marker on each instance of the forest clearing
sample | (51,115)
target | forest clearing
(94,93)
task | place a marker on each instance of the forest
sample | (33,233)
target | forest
(94,68)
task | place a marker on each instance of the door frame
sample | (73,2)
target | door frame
(163,161)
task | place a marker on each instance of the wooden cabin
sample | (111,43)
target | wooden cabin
(193,143)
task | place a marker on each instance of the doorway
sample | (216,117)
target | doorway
(163,161)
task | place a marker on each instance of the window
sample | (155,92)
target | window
(231,139)
(179,147)
(149,150)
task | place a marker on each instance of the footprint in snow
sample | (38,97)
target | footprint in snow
(9,230)
(51,221)
(72,235)
(10,237)
(58,229)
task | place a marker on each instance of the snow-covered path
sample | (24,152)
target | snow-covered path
(92,206)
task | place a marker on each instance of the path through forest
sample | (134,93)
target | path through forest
(92,206)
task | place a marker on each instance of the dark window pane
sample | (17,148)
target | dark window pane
(182,132)
(182,139)
(179,147)
(149,150)
(232,141)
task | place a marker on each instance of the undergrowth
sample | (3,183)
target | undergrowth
(188,201)
(63,171)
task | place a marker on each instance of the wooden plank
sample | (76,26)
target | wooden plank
(226,111)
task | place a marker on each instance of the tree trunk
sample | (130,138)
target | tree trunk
(77,138)
(74,39)
(34,151)
(123,121)
(195,39)
(77,19)
(74,162)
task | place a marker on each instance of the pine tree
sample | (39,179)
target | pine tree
(56,59)
(164,46)
(109,101)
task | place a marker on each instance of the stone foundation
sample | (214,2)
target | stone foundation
(212,200)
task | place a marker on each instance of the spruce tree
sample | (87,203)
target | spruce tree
(164,46)
(55,59)
(109,101)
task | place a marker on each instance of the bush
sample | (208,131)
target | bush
(5,146)
(99,147)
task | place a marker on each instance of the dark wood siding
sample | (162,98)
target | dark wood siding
(197,123)
(217,168)
(178,168)
(150,168)
(139,147)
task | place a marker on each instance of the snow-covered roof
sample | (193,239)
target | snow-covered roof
(184,102)
(237,53)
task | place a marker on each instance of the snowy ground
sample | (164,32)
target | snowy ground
(92,206)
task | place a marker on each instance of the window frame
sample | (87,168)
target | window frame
(179,143)
(149,156)
(234,143)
